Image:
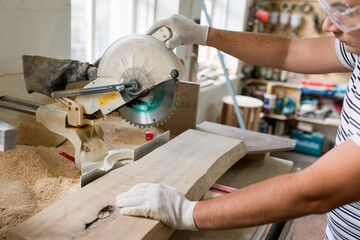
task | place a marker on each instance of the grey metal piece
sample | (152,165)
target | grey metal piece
(153,108)
(259,232)
(149,146)
(130,86)
(7,137)
(19,105)
(96,171)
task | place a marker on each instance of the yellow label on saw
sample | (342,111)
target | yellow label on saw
(107,99)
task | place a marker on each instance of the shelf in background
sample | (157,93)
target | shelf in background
(276,116)
(273,83)
(327,121)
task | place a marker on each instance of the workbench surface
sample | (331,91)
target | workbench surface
(243,173)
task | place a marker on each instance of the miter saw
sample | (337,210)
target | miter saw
(136,76)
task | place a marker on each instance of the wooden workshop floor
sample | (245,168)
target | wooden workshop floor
(310,227)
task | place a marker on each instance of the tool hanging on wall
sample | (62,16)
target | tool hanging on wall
(273,74)
(316,23)
(262,17)
(252,25)
(284,20)
(284,17)
(306,8)
(295,22)
(274,18)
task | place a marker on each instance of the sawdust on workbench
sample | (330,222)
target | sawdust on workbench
(34,177)
(119,134)
(31,133)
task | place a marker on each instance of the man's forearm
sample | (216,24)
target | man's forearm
(296,55)
(259,49)
(332,181)
(269,201)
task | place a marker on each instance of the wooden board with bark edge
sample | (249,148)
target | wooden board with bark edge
(191,162)
(255,142)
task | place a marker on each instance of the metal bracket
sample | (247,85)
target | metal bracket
(132,85)
(7,137)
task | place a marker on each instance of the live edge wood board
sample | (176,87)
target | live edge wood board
(191,162)
(255,142)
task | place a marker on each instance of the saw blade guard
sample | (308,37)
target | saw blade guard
(140,57)
(136,57)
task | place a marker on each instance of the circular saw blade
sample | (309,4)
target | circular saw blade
(147,60)
(152,107)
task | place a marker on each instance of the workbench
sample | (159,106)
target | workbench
(242,174)
(257,165)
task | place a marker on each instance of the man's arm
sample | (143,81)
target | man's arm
(331,182)
(309,56)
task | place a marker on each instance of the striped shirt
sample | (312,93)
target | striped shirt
(344,222)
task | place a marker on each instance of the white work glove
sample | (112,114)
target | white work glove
(159,202)
(184,31)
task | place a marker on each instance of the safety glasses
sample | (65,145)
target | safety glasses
(346,18)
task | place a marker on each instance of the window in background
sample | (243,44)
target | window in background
(96,24)
(80,29)
(225,14)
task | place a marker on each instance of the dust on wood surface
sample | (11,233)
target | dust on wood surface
(34,176)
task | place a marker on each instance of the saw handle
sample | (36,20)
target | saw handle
(161,33)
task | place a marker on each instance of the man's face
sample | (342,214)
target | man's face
(350,39)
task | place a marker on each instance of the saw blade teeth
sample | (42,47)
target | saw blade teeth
(135,114)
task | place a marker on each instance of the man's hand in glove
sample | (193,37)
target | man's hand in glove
(159,202)
(184,31)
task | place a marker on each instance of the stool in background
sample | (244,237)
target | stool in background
(250,110)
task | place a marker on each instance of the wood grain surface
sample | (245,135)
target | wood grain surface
(191,162)
(255,142)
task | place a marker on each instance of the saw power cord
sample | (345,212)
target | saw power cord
(228,83)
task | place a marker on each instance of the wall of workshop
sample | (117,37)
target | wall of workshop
(210,100)
(33,27)
(230,15)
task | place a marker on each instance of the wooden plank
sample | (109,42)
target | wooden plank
(255,142)
(191,162)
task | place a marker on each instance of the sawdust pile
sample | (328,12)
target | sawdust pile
(32,133)
(32,178)
(119,134)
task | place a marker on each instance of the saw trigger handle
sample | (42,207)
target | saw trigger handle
(162,34)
